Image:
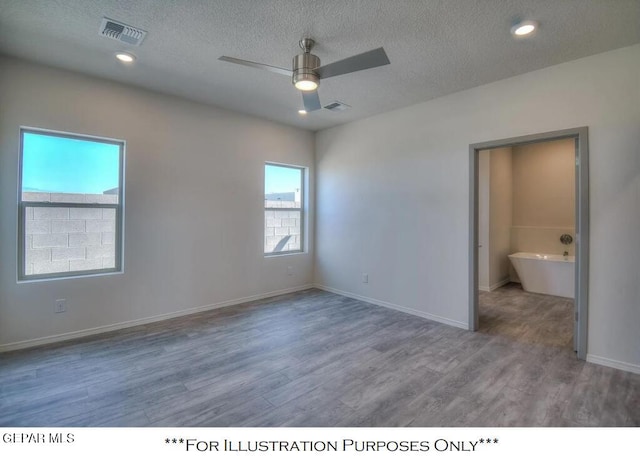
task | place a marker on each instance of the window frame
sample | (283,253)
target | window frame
(22,206)
(301,209)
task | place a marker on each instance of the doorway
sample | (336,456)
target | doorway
(580,139)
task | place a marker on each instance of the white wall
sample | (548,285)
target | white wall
(194,203)
(544,184)
(416,253)
(500,216)
(484,226)
(495,208)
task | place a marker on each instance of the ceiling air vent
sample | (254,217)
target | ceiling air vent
(121,32)
(337,106)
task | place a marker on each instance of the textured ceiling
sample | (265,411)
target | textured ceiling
(436,47)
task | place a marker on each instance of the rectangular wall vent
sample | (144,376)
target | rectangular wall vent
(337,106)
(121,32)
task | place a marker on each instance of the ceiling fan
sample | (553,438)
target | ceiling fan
(307,72)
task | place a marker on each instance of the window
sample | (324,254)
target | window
(70,205)
(283,209)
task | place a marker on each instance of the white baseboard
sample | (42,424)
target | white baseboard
(147,320)
(495,286)
(415,312)
(630,367)
(499,284)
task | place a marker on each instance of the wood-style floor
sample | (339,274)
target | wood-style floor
(318,359)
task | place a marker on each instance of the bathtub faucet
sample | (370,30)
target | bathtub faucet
(565,254)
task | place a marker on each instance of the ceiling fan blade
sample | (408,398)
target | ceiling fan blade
(257,65)
(311,101)
(368,60)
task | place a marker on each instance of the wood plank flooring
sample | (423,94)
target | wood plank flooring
(318,359)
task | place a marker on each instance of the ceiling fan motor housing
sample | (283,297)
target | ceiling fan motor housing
(303,68)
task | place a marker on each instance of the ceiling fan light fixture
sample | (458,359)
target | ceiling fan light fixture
(524,28)
(304,78)
(307,84)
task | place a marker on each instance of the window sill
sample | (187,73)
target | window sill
(284,254)
(77,276)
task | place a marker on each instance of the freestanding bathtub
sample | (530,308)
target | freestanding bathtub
(542,273)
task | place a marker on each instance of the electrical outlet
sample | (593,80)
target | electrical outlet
(365,278)
(60,306)
(289,271)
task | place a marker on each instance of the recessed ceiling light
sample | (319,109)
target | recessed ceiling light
(125,57)
(524,28)
(302,111)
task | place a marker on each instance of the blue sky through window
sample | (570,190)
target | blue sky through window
(56,164)
(278,179)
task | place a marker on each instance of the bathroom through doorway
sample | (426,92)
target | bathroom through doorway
(529,238)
